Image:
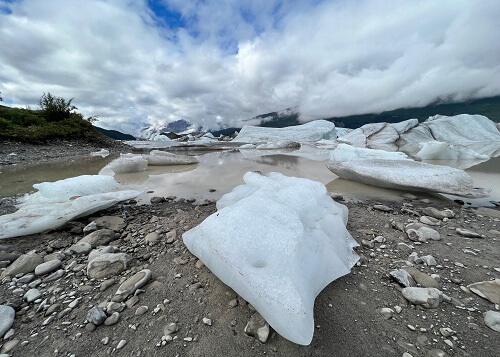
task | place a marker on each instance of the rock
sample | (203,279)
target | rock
(382,208)
(258,328)
(171,236)
(80,248)
(26,263)
(437,214)
(54,276)
(102,250)
(96,316)
(107,265)
(113,319)
(141,310)
(9,346)
(47,267)
(409,196)
(129,286)
(181,261)
(428,260)
(491,319)
(207,321)
(152,238)
(99,237)
(31,295)
(367,243)
(106,284)
(170,329)
(489,290)
(417,232)
(157,199)
(431,221)
(89,228)
(467,233)
(426,297)
(121,344)
(402,277)
(421,278)
(386,312)
(114,223)
(7,316)
(447,332)
(132,301)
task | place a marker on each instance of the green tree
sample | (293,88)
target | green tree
(56,108)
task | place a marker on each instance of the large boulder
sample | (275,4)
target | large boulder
(26,263)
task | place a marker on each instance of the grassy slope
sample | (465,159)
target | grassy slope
(31,126)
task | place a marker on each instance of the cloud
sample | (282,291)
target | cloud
(138,62)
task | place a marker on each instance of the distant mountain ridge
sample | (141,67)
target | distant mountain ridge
(115,134)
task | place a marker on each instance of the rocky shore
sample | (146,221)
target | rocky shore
(13,152)
(123,283)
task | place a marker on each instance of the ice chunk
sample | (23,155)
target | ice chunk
(58,202)
(277,241)
(280,144)
(102,153)
(436,150)
(163,158)
(345,152)
(312,131)
(125,164)
(408,175)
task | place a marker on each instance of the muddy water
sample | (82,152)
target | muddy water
(219,172)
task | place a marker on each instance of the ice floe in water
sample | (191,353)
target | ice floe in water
(125,164)
(312,131)
(277,241)
(102,153)
(162,158)
(56,203)
(344,152)
(436,150)
(408,175)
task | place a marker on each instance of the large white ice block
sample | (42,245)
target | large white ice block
(312,131)
(408,175)
(163,158)
(277,241)
(125,164)
(344,152)
(56,203)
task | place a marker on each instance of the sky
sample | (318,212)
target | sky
(137,62)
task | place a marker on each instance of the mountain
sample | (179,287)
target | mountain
(489,107)
(115,134)
(178,126)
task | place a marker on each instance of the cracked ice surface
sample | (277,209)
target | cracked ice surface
(56,203)
(277,241)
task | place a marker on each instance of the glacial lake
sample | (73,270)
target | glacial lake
(219,172)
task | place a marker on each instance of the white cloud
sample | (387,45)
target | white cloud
(234,60)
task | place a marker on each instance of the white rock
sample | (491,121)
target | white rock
(427,297)
(277,241)
(491,319)
(408,175)
(58,202)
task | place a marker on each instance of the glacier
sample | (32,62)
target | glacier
(277,241)
(408,175)
(56,203)
(312,131)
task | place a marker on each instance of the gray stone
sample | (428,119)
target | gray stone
(100,237)
(26,263)
(421,278)
(426,297)
(106,265)
(114,223)
(129,286)
(257,328)
(382,208)
(418,232)
(102,250)
(489,290)
(157,199)
(141,310)
(31,295)
(386,312)
(113,319)
(402,277)
(491,319)
(54,276)
(96,316)
(121,344)
(467,233)
(48,267)
(7,316)
(152,238)
(89,228)
(435,213)
(431,221)
(170,329)
(80,248)
(427,260)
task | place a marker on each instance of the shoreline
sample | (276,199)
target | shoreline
(183,291)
